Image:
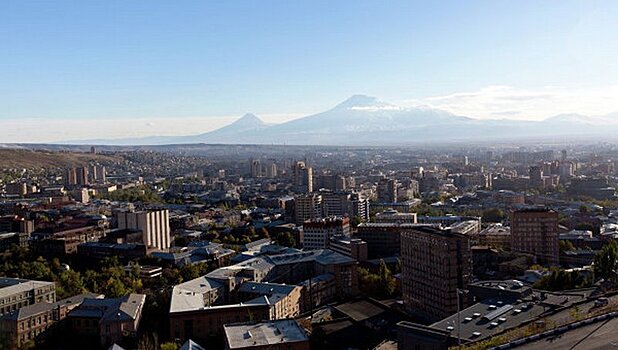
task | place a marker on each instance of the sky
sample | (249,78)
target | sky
(116,68)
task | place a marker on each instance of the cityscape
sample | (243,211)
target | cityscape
(233,175)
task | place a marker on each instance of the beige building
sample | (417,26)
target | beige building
(317,233)
(154,224)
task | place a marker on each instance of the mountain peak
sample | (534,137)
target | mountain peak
(359,101)
(250,119)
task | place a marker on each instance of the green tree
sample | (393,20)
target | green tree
(605,261)
(286,239)
(115,288)
(493,215)
(387,282)
(69,283)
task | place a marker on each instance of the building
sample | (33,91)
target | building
(535,231)
(383,239)
(393,216)
(303,178)
(495,236)
(16,189)
(16,293)
(14,223)
(271,335)
(435,264)
(254,290)
(387,191)
(355,248)
(256,168)
(98,174)
(109,319)
(154,224)
(76,176)
(318,232)
(307,207)
(30,322)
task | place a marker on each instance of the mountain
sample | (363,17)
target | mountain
(365,120)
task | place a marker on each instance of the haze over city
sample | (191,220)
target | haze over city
(308,175)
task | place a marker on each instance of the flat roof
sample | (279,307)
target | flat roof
(248,335)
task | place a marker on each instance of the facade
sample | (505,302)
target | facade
(108,319)
(435,264)
(272,335)
(383,239)
(387,191)
(262,288)
(303,178)
(16,293)
(355,248)
(535,231)
(307,207)
(154,224)
(32,321)
(317,233)
(393,216)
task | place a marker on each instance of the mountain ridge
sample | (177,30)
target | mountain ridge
(366,120)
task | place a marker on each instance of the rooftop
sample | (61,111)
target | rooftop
(239,336)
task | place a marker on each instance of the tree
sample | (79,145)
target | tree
(286,239)
(69,283)
(387,282)
(114,288)
(493,215)
(605,261)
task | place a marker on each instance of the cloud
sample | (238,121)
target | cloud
(503,101)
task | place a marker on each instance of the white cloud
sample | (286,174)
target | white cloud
(501,101)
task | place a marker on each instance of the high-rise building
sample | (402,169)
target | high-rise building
(387,191)
(271,169)
(303,178)
(256,168)
(307,207)
(76,176)
(536,176)
(154,224)
(318,232)
(97,174)
(535,231)
(435,264)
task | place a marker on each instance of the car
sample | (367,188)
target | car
(476,334)
(601,302)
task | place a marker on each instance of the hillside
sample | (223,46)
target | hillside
(20,158)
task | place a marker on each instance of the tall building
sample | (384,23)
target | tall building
(435,264)
(76,176)
(98,174)
(317,233)
(271,169)
(154,224)
(536,176)
(256,168)
(387,191)
(307,207)
(303,178)
(535,231)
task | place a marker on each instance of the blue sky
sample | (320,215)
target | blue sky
(90,61)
